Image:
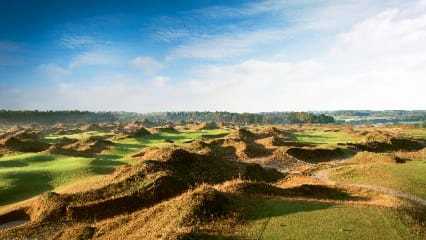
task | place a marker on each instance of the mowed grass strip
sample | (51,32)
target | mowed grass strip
(409,177)
(324,138)
(283,219)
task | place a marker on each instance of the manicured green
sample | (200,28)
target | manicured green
(409,177)
(323,138)
(283,219)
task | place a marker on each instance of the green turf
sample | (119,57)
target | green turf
(24,175)
(421,132)
(53,138)
(129,146)
(408,177)
(323,138)
(281,219)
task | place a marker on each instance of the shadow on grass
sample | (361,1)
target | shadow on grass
(220,135)
(159,137)
(105,164)
(276,208)
(206,236)
(24,185)
(40,158)
(13,163)
(119,145)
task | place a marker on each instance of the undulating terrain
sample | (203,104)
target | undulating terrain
(207,180)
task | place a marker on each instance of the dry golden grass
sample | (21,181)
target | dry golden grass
(370,158)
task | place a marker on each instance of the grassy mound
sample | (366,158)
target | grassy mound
(165,129)
(148,183)
(205,125)
(132,133)
(304,190)
(84,147)
(177,218)
(369,157)
(392,144)
(14,144)
(27,135)
(243,134)
(90,127)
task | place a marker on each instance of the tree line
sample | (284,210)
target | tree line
(52,117)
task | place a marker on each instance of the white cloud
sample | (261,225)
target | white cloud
(93,58)
(147,64)
(171,34)
(160,81)
(227,45)
(116,93)
(52,71)
(76,41)
(378,63)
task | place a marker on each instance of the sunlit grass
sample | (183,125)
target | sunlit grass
(129,146)
(421,132)
(282,219)
(408,177)
(24,175)
(323,138)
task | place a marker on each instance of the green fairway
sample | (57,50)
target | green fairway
(323,138)
(282,219)
(129,146)
(421,132)
(24,175)
(408,177)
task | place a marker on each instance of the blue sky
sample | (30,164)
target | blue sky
(243,56)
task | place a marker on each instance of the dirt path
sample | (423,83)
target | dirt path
(323,176)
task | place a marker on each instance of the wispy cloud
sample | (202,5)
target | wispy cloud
(170,34)
(248,9)
(147,64)
(227,45)
(76,41)
(94,58)
(52,71)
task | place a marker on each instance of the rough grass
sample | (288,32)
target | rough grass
(282,219)
(323,138)
(409,177)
